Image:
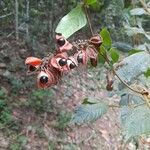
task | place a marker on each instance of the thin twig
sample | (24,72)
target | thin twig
(145,6)
(88,18)
(27,16)
(113,105)
(16,19)
(108,61)
(126,83)
(4,16)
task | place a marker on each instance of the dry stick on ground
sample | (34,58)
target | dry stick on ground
(145,6)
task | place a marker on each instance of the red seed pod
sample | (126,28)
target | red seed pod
(71,63)
(59,62)
(43,79)
(93,62)
(92,54)
(33,63)
(81,57)
(96,40)
(62,43)
(48,78)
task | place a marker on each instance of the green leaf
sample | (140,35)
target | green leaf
(133,66)
(134,51)
(106,37)
(90,2)
(114,55)
(72,22)
(137,122)
(147,73)
(88,113)
(101,54)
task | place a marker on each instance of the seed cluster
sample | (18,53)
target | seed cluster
(68,56)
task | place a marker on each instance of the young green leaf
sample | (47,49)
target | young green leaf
(90,2)
(133,51)
(72,22)
(147,73)
(114,55)
(88,113)
(101,54)
(106,37)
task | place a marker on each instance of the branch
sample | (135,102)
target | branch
(145,6)
(114,105)
(27,17)
(129,87)
(4,16)
(16,19)
(87,16)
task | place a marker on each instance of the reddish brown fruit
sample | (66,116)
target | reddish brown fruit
(33,61)
(96,40)
(62,43)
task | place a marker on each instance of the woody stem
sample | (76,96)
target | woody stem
(88,18)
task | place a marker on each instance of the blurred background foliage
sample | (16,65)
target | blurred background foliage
(43,17)
(38,20)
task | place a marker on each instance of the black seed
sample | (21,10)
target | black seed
(61,41)
(62,62)
(80,58)
(32,68)
(43,79)
(72,65)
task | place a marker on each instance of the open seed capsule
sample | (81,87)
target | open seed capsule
(32,68)
(71,64)
(42,79)
(80,58)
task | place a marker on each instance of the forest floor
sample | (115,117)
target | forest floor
(33,119)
